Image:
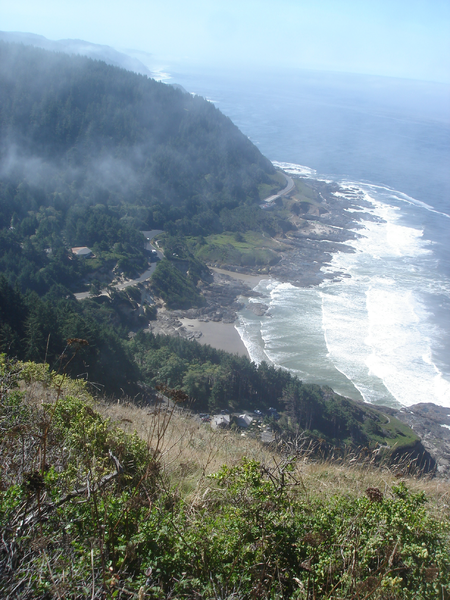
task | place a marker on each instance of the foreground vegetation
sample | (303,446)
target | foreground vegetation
(88,510)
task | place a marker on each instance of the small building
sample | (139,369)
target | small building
(220,421)
(82,251)
(244,420)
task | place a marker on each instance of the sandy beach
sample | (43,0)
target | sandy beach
(223,336)
(300,264)
(251,280)
(214,326)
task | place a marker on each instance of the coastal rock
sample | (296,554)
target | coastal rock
(194,335)
(258,308)
(229,317)
(432,424)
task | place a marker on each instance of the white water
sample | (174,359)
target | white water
(370,334)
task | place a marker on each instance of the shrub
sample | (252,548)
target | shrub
(85,511)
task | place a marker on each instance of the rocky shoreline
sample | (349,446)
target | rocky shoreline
(321,231)
(432,424)
(324,231)
(222,303)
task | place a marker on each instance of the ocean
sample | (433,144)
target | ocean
(381,332)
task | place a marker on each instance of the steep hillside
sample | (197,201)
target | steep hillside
(90,155)
(93,155)
(89,511)
(95,133)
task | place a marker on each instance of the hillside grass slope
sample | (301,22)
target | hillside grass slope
(91,511)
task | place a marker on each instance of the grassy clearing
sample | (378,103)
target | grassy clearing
(305,193)
(395,433)
(244,249)
(384,430)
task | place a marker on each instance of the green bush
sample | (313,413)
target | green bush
(85,511)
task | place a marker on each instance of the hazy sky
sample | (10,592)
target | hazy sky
(404,38)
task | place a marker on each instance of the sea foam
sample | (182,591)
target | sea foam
(391,329)
(371,334)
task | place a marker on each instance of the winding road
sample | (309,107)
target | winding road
(284,192)
(146,275)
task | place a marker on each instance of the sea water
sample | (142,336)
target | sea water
(381,331)
(373,334)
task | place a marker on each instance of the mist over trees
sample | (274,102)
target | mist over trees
(75,130)
(92,155)
(78,47)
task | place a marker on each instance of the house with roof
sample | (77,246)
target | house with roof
(82,251)
(220,421)
(244,420)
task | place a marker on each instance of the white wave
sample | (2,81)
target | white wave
(384,237)
(397,328)
(384,240)
(251,337)
(380,339)
(292,337)
(396,195)
(294,169)
(398,331)
(367,335)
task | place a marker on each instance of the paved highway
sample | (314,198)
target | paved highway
(284,192)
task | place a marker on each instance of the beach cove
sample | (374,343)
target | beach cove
(308,249)
(380,330)
(341,309)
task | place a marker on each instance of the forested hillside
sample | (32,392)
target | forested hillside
(92,133)
(90,154)
(88,341)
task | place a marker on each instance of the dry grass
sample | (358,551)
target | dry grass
(327,479)
(190,450)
